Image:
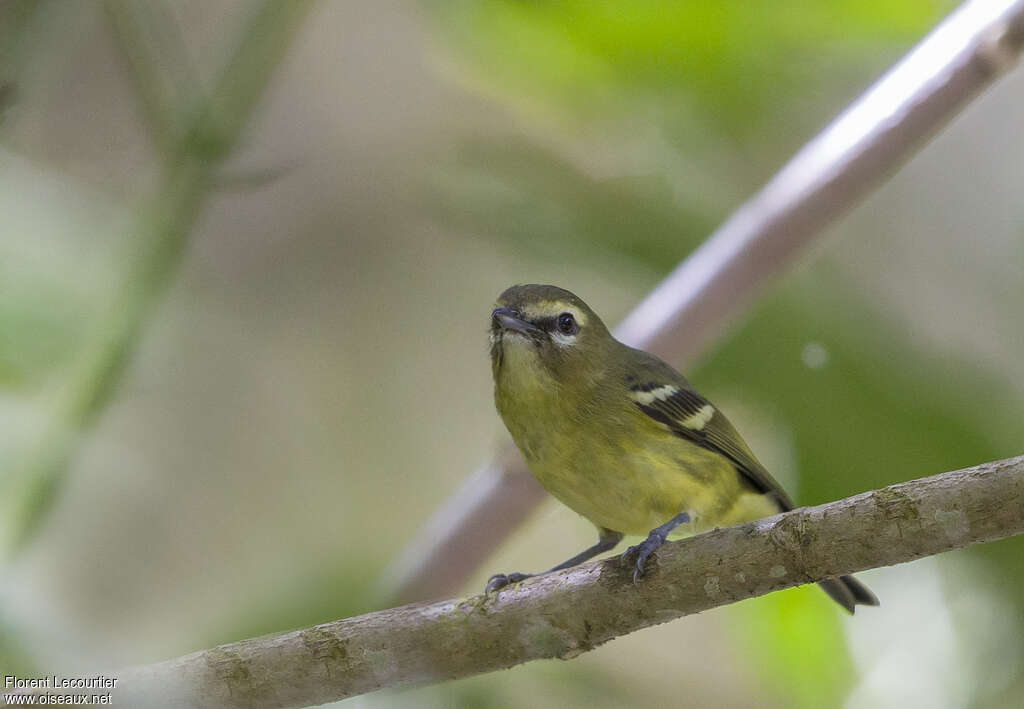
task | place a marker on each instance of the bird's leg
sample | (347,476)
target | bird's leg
(654,540)
(606,540)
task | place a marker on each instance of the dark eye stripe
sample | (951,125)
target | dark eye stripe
(548,323)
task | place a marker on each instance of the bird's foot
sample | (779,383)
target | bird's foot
(643,550)
(500,581)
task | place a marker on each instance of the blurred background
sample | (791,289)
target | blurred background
(247,256)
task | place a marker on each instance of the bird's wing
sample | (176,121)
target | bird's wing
(665,396)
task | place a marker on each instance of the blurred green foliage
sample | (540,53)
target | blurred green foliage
(527,195)
(636,128)
(14,659)
(728,74)
(797,647)
(735,64)
(161,230)
(14,16)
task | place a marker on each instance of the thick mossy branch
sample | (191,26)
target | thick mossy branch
(567,613)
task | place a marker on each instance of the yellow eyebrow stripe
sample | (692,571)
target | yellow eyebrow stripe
(550,308)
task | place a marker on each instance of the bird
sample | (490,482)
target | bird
(620,436)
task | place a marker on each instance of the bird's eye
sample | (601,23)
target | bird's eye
(567,324)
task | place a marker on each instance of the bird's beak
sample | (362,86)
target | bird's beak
(508,319)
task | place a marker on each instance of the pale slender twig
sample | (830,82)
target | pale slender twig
(570,612)
(689,309)
(134,35)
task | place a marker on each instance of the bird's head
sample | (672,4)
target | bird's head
(546,336)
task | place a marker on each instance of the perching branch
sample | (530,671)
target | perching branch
(876,135)
(567,613)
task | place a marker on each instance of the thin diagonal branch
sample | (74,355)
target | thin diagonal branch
(566,613)
(135,36)
(854,154)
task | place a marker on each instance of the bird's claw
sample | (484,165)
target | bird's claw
(500,581)
(643,550)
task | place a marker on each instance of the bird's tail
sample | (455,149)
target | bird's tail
(848,592)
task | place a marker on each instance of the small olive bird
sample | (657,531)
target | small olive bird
(620,436)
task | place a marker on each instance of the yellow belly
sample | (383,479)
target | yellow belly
(623,472)
(632,491)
